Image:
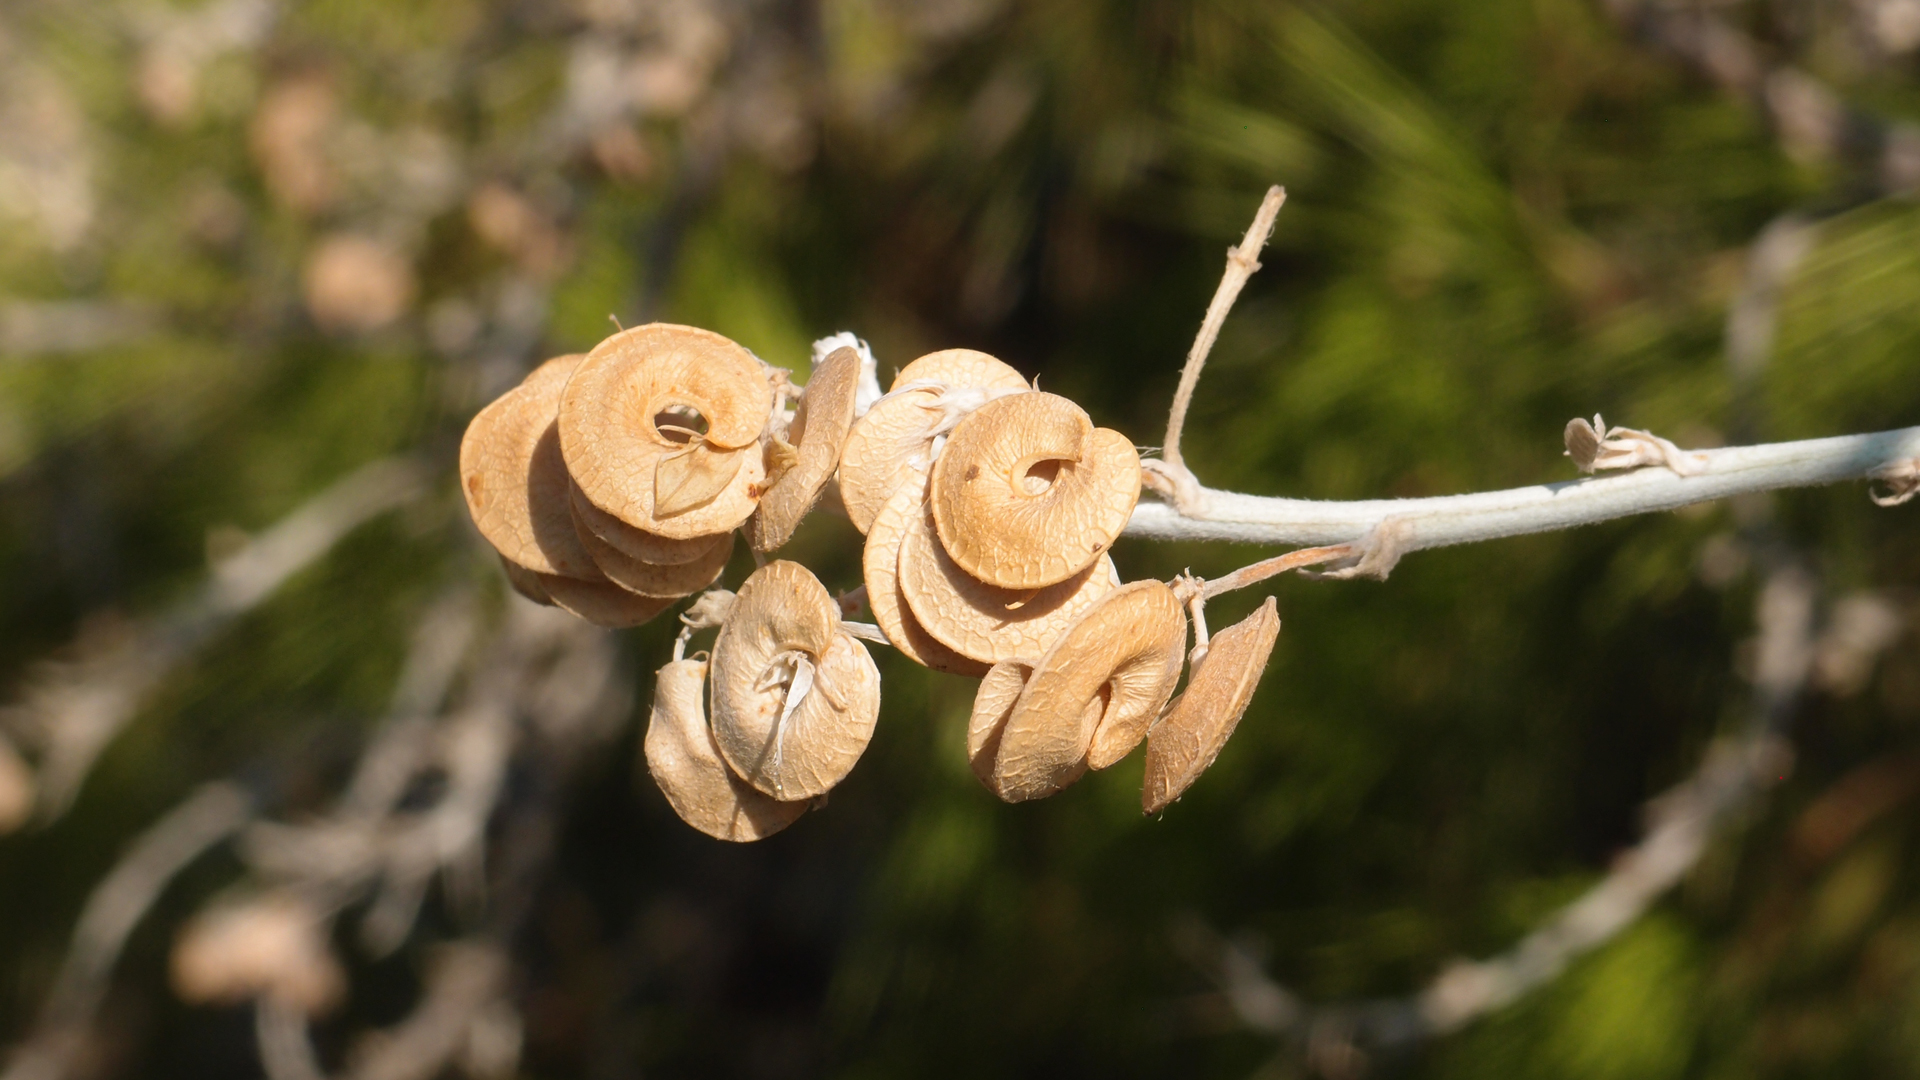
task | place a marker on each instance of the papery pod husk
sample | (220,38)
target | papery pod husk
(1124,656)
(1187,739)
(783,610)
(880,567)
(648,579)
(1007,523)
(624,463)
(685,763)
(515,481)
(637,543)
(983,622)
(603,603)
(819,431)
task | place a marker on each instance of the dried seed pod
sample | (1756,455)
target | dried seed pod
(993,707)
(685,762)
(818,432)
(896,434)
(1184,742)
(525,582)
(652,579)
(603,603)
(960,368)
(883,447)
(638,543)
(515,481)
(630,422)
(980,621)
(1028,492)
(1092,696)
(880,565)
(794,697)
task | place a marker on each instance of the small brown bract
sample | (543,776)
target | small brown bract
(818,433)
(980,621)
(603,603)
(652,579)
(1185,741)
(639,543)
(880,565)
(685,762)
(1028,493)
(515,481)
(630,429)
(1092,696)
(896,434)
(794,696)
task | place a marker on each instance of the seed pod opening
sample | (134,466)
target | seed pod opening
(640,544)
(515,481)
(1185,741)
(653,579)
(659,427)
(1092,696)
(961,368)
(880,565)
(603,603)
(685,762)
(794,697)
(896,433)
(1028,493)
(818,433)
(980,621)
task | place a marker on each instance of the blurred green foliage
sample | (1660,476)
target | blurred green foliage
(1501,214)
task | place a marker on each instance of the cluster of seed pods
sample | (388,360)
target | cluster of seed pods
(612,485)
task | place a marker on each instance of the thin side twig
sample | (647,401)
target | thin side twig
(1242,261)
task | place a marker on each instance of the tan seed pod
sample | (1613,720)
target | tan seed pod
(961,367)
(1186,740)
(635,456)
(603,603)
(818,433)
(525,582)
(993,707)
(980,621)
(1092,696)
(794,697)
(880,565)
(1028,493)
(896,434)
(890,441)
(652,579)
(685,762)
(638,543)
(515,481)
